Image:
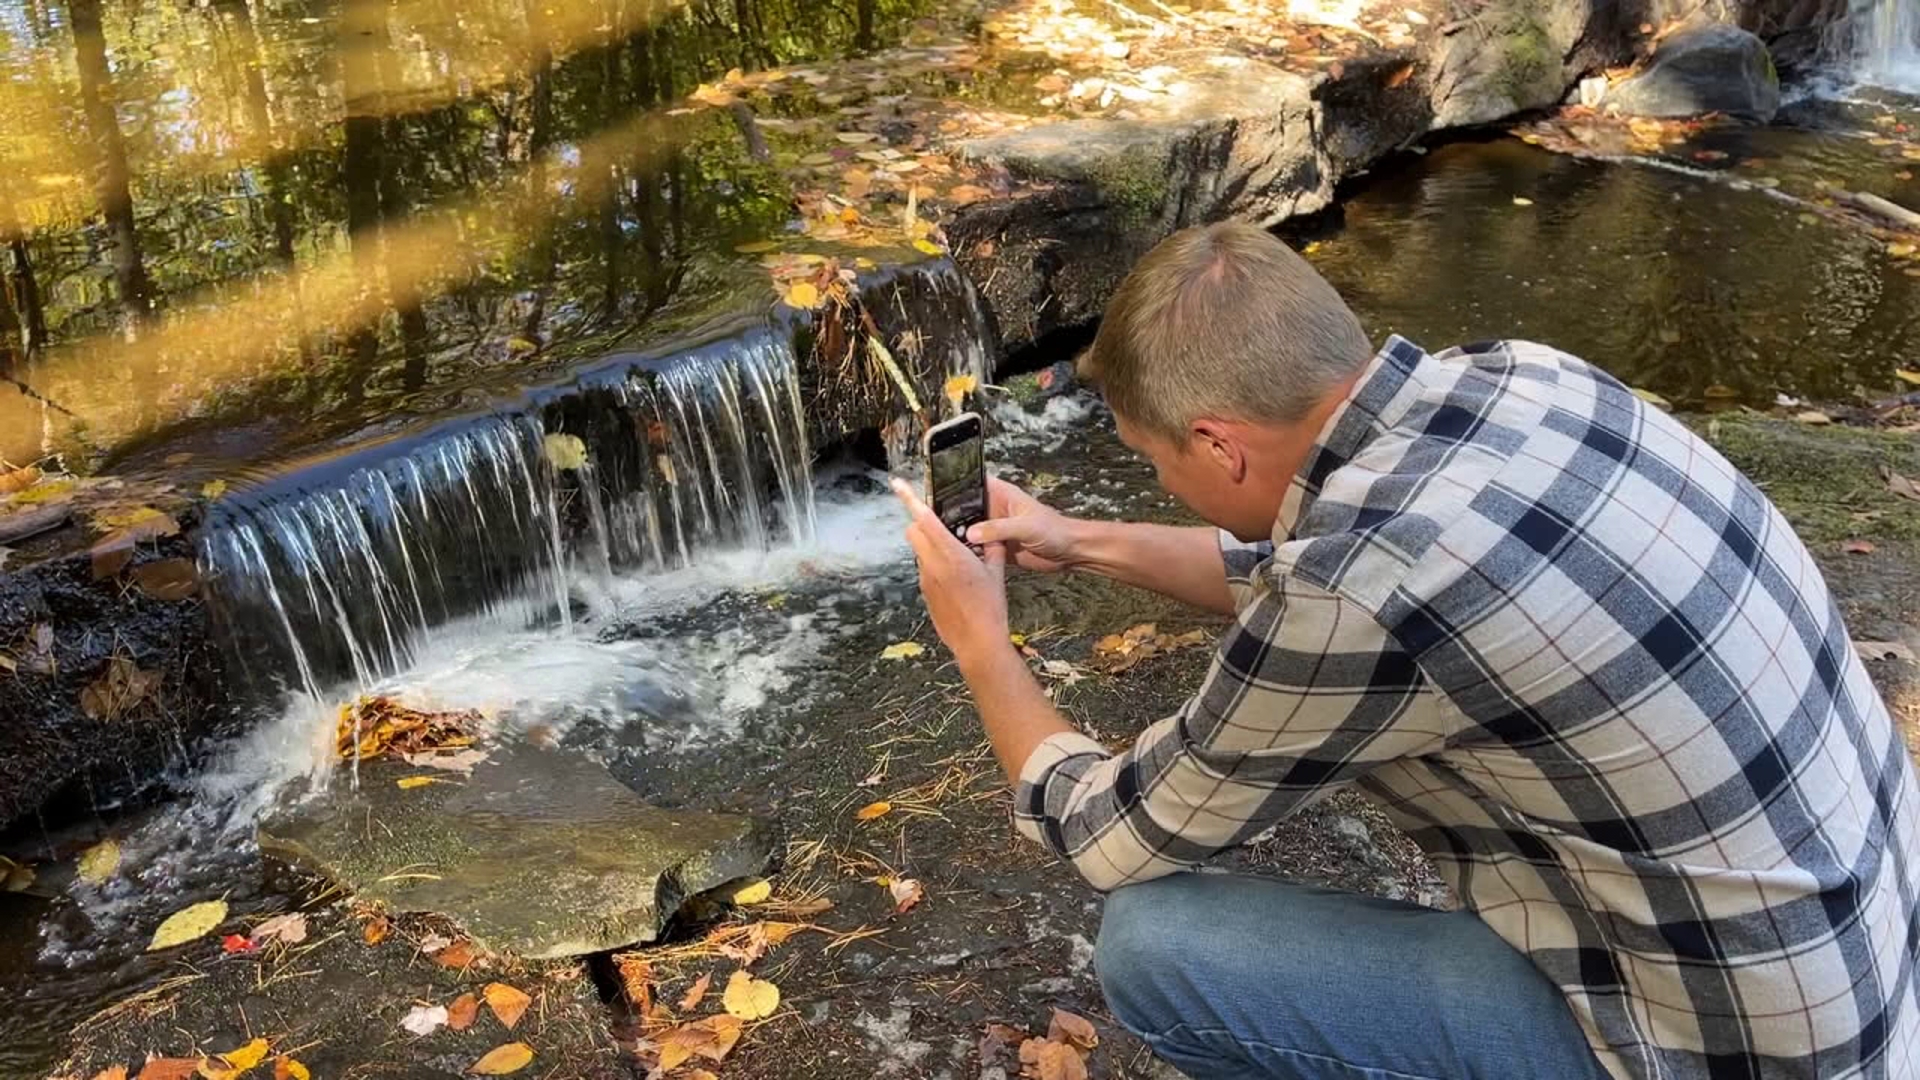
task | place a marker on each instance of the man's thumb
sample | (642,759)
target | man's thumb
(993,531)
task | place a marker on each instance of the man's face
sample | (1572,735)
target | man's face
(1208,473)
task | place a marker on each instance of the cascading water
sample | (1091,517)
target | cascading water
(341,577)
(1886,43)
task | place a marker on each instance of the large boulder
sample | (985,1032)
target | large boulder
(1704,68)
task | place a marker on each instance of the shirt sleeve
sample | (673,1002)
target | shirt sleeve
(1306,691)
(1243,561)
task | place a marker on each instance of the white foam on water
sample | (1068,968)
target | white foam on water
(1046,430)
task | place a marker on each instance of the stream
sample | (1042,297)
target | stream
(728,599)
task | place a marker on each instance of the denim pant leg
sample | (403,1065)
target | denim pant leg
(1240,978)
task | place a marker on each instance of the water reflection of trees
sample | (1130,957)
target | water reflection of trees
(1671,282)
(314,207)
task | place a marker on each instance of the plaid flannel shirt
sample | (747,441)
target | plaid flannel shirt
(1592,672)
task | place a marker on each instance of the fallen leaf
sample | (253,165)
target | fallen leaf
(712,1038)
(959,386)
(169,1069)
(460,954)
(1050,1060)
(286,1068)
(1885,650)
(376,930)
(1901,250)
(1814,417)
(462,1012)
(18,479)
(507,1002)
(408,783)
(237,943)
(749,998)
(1401,75)
(1073,1028)
(290,928)
(754,893)
(1901,486)
(211,490)
(854,138)
(928,247)
(873,810)
(189,924)
(115,1072)
(901,650)
(1907,376)
(636,978)
(121,687)
(503,1059)
(460,761)
(112,552)
(424,1019)
(565,452)
(167,579)
(802,295)
(98,862)
(906,892)
(691,999)
(433,943)
(1520,200)
(234,1062)
(1857,547)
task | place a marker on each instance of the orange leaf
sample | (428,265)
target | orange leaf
(1072,1028)
(503,1059)
(696,992)
(169,1069)
(873,810)
(116,1072)
(462,1013)
(1858,547)
(460,954)
(376,930)
(507,1003)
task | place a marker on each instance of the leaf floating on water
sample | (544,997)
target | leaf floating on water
(290,929)
(210,491)
(503,1059)
(873,810)
(755,893)
(286,1068)
(803,295)
(691,999)
(566,452)
(189,924)
(901,650)
(508,1003)
(98,862)
(928,247)
(749,998)
(424,1019)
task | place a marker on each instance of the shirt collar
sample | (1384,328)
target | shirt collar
(1379,398)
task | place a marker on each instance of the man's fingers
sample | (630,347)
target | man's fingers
(910,499)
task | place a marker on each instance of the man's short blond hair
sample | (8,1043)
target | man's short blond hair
(1224,321)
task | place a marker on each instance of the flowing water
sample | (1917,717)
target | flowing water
(1887,44)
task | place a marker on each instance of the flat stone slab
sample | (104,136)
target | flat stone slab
(540,853)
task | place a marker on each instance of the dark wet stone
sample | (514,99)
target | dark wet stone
(1705,68)
(542,854)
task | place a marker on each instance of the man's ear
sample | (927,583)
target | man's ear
(1221,445)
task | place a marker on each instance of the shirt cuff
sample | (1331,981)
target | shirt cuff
(1035,806)
(1243,562)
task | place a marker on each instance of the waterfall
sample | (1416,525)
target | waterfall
(341,571)
(1886,39)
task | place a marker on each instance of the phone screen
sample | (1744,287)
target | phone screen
(957,460)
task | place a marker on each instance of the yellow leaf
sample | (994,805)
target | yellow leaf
(1519,200)
(408,783)
(803,295)
(1907,376)
(749,998)
(756,893)
(98,862)
(873,810)
(1901,250)
(189,923)
(286,1068)
(507,1002)
(959,386)
(929,247)
(566,452)
(901,650)
(503,1059)
(855,137)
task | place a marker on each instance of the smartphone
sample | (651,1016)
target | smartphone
(957,473)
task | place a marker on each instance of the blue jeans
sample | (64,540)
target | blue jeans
(1240,978)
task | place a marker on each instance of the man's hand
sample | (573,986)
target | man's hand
(966,593)
(1037,537)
